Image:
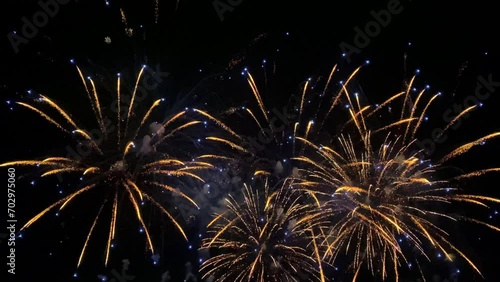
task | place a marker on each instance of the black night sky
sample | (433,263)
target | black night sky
(204,51)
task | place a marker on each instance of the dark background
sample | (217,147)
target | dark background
(452,44)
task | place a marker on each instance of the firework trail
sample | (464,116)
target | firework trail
(266,237)
(113,163)
(374,185)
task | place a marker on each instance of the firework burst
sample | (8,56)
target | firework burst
(264,143)
(375,186)
(275,131)
(113,163)
(269,236)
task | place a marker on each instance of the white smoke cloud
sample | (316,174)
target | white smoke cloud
(279,211)
(291,224)
(157,129)
(146,147)
(235,180)
(278,168)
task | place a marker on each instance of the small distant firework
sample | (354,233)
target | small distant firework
(113,164)
(156,14)
(376,186)
(266,237)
